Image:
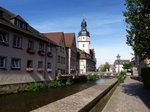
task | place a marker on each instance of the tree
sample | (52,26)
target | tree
(105,67)
(127,66)
(137,16)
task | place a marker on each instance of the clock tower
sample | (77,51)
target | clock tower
(84,38)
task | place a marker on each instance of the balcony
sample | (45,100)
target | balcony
(49,54)
(49,70)
(29,69)
(40,69)
(30,51)
(41,53)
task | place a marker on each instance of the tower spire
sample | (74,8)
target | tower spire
(84,31)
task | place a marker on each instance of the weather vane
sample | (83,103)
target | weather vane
(83,16)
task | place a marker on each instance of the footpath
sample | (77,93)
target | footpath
(129,97)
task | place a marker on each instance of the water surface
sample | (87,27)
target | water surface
(31,100)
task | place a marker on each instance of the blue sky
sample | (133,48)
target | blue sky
(104,19)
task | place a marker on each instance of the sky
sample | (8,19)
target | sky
(105,22)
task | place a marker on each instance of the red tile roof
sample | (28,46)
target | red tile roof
(69,38)
(56,37)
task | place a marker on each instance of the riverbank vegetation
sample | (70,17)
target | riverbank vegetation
(57,83)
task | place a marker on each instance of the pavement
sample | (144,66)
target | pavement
(129,97)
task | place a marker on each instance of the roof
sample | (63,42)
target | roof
(18,17)
(84,55)
(105,65)
(121,62)
(69,38)
(5,21)
(84,31)
(56,37)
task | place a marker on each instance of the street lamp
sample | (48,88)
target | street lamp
(118,59)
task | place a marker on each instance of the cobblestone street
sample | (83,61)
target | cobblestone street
(129,97)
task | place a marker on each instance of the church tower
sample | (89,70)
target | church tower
(84,38)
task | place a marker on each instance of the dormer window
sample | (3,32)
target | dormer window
(21,24)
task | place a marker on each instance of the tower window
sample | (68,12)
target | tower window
(83,45)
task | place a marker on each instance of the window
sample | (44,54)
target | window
(62,61)
(3,38)
(17,42)
(29,64)
(83,45)
(30,44)
(16,64)
(60,49)
(41,47)
(58,59)
(49,65)
(40,64)
(63,49)
(2,62)
(49,49)
(21,24)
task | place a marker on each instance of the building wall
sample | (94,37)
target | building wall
(120,68)
(83,67)
(9,76)
(90,66)
(61,67)
(84,43)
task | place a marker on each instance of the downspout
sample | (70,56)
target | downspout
(69,59)
(45,61)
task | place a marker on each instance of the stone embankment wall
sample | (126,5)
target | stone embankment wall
(92,99)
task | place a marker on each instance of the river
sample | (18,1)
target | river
(28,101)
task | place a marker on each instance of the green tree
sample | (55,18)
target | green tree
(127,66)
(105,67)
(137,16)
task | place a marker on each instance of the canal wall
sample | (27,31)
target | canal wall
(92,99)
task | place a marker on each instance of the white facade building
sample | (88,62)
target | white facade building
(118,64)
(87,60)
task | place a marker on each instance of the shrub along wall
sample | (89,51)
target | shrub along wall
(145,73)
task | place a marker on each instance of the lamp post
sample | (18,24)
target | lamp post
(118,60)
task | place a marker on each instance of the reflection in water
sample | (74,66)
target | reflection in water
(31,100)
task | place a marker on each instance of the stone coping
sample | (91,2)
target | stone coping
(79,101)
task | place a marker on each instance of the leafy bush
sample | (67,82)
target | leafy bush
(122,76)
(145,73)
(69,81)
(18,91)
(92,77)
(55,84)
(35,86)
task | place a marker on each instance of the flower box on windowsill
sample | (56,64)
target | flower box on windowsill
(31,51)
(49,54)
(29,69)
(49,70)
(40,70)
(41,53)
